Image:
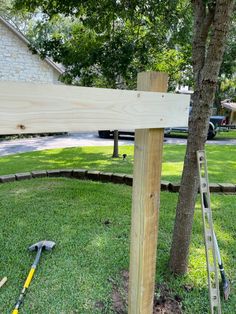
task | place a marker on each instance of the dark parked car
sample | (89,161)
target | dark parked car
(214,125)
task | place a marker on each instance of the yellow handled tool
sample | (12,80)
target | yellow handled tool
(47,245)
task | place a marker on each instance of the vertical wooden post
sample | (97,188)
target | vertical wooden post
(145,205)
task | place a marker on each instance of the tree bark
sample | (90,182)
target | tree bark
(116,144)
(211,24)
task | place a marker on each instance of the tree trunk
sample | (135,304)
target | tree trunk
(211,24)
(116,144)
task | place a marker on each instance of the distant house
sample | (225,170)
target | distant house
(18,63)
(231,107)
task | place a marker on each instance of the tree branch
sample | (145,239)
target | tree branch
(203,19)
(220,27)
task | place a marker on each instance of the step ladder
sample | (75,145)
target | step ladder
(211,257)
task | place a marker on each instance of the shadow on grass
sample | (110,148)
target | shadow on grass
(93,158)
(221,161)
(90,223)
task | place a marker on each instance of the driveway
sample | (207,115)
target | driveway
(59,141)
(78,140)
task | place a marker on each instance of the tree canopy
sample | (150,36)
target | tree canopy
(107,43)
(227,78)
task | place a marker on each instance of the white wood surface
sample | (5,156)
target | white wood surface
(32,108)
(3,281)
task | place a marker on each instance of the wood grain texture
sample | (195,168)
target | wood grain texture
(3,281)
(145,207)
(34,108)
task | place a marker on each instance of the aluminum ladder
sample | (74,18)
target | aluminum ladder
(211,257)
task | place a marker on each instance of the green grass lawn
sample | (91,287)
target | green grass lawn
(92,232)
(92,246)
(230,134)
(221,135)
(221,161)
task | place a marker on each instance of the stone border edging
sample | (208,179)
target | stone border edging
(84,174)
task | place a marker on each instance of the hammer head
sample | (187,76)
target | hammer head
(47,245)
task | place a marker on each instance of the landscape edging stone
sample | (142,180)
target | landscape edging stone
(120,178)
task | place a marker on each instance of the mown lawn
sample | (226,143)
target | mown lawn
(228,134)
(221,135)
(90,223)
(221,161)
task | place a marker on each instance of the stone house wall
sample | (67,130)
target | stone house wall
(17,63)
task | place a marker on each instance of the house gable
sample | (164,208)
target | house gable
(18,63)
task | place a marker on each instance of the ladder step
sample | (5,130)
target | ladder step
(209,246)
(209,238)
(208,232)
(214,297)
(204,186)
(211,268)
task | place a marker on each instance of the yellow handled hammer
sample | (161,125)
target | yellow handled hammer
(47,245)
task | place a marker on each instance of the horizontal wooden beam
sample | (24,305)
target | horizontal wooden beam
(34,108)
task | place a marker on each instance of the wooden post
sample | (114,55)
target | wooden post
(145,205)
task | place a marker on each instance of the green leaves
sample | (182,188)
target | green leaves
(106,43)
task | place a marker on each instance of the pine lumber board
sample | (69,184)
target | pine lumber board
(37,108)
